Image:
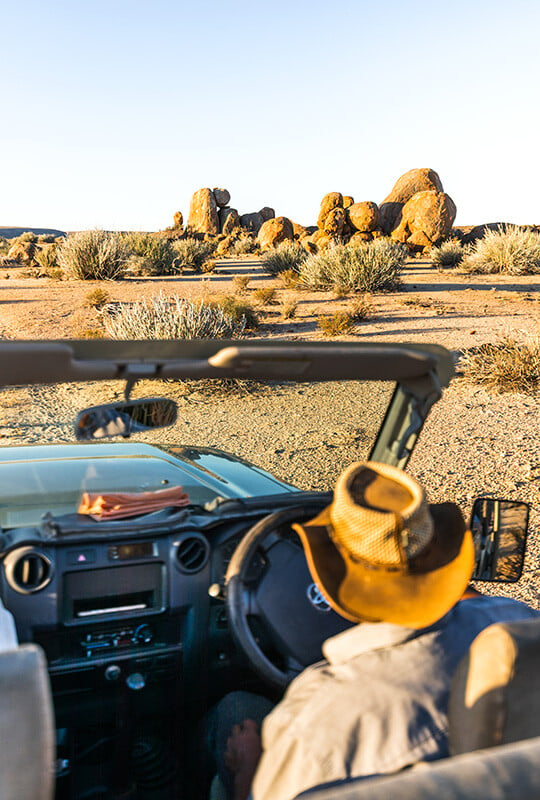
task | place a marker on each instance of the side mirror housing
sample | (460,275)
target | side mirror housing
(499,529)
(123,419)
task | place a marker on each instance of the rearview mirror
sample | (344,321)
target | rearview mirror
(499,529)
(123,419)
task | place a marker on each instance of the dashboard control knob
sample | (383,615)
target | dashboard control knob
(113,672)
(136,681)
(143,634)
(215,590)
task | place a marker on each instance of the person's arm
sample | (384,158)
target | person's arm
(242,756)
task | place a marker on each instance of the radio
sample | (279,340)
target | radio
(126,636)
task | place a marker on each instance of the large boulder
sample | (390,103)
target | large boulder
(348,201)
(274,231)
(363,216)
(425,219)
(413,181)
(300,231)
(334,222)
(328,203)
(178,219)
(267,213)
(203,213)
(252,222)
(228,220)
(223,197)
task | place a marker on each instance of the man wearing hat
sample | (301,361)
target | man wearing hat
(377,704)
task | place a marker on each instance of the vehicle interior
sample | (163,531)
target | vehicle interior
(133,623)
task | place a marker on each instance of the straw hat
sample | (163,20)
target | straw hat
(379,553)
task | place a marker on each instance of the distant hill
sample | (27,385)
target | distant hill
(11,233)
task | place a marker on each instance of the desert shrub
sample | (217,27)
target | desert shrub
(97,298)
(28,236)
(361,308)
(337,324)
(237,309)
(154,254)
(46,258)
(93,255)
(162,317)
(5,244)
(362,268)
(290,278)
(243,246)
(46,238)
(286,256)
(290,307)
(506,366)
(240,283)
(448,254)
(192,253)
(264,296)
(508,250)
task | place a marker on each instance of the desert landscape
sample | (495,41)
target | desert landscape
(409,276)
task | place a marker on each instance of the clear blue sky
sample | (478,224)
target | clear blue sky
(116,111)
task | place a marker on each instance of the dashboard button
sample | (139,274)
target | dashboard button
(84,556)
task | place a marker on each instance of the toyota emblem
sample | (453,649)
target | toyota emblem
(316,598)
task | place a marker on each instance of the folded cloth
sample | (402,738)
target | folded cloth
(117,505)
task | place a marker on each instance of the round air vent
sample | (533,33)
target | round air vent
(27,570)
(192,553)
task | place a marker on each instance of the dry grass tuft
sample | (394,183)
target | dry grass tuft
(448,254)
(506,366)
(290,279)
(240,283)
(239,310)
(97,298)
(93,255)
(286,256)
(264,296)
(337,324)
(289,309)
(375,266)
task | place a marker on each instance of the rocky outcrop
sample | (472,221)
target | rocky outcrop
(334,222)
(409,184)
(348,201)
(203,213)
(274,231)
(328,203)
(228,220)
(222,197)
(267,213)
(178,219)
(300,231)
(252,222)
(425,220)
(363,216)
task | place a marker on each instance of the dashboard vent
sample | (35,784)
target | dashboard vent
(27,570)
(192,553)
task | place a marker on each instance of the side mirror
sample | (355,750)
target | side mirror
(499,529)
(123,419)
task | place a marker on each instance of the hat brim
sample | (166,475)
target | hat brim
(416,598)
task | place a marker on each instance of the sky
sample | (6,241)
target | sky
(116,111)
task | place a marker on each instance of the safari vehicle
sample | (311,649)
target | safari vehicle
(147,619)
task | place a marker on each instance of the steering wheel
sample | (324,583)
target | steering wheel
(281,594)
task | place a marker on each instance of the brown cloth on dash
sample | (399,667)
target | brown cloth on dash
(117,505)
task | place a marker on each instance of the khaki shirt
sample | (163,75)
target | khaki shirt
(377,704)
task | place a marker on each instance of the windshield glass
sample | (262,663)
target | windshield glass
(231,439)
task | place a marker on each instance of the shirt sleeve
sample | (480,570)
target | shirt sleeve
(8,634)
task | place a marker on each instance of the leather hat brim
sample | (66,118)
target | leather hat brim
(415,596)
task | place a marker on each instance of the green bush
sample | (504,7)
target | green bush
(153,254)
(93,255)
(286,256)
(448,254)
(374,266)
(192,254)
(238,310)
(509,250)
(162,317)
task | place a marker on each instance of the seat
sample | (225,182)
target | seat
(495,693)
(510,772)
(27,732)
